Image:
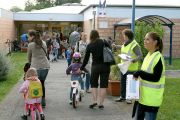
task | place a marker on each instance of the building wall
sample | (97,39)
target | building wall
(7,29)
(126,12)
(87,27)
(109,32)
(176,38)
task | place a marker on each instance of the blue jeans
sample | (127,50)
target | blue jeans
(142,114)
(69,62)
(42,74)
(87,83)
(74,78)
(55,51)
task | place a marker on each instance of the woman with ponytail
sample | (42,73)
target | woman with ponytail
(152,79)
(37,57)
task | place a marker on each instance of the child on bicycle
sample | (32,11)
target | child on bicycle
(75,75)
(32,95)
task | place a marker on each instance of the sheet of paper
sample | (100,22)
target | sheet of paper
(132,88)
(124,66)
(125,57)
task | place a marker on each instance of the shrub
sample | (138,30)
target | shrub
(115,71)
(4,66)
(142,28)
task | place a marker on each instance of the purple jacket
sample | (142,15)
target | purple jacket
(74,67)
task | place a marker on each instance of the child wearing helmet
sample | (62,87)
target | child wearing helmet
(73,70)
(76,57)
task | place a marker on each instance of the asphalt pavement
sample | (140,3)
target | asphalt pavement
(57,97)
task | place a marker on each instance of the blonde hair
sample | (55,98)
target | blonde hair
(31,72)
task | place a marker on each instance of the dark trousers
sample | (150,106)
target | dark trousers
(102,71)
(123,84)
(42,73)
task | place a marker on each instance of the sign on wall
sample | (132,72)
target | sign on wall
(103,24)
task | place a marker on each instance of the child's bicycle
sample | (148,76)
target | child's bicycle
(35,115)
(77,93)
(33,112)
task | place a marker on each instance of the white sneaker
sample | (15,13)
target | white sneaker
(70,102)
(120,99)
(129,101)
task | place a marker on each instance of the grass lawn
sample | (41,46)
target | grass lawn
(18,60)
(170,109)
(175,64)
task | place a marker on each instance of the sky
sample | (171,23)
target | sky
(7,4)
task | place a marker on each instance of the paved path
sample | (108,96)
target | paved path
(57,86)
(173,73)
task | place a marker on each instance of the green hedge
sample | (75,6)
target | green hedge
(4,66)
(142,28)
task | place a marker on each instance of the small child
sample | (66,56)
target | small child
(56,47)
(31,75)
(73,68)
(68,55)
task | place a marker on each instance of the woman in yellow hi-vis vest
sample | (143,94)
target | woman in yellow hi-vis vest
(130,48)
(152,79)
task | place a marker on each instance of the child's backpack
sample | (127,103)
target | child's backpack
(35,89)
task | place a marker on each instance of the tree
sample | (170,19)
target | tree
(60,2)
(142,28)
(29,5)
(16,9)
(39,4)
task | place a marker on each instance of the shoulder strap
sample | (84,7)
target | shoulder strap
(44,51)
(78,46)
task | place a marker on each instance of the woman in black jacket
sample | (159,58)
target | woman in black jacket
(99,68)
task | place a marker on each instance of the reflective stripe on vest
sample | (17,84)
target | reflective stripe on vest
(151,63)
(152,85)
(129,51)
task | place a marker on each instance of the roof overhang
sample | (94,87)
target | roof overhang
(128,5)
(48,17)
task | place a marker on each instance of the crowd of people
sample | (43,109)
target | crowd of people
(78,50)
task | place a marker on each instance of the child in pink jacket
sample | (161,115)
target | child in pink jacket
(31,75)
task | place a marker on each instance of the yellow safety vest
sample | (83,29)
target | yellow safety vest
(151,93)
(129,51)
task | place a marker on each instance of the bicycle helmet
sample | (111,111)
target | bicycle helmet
(77,57)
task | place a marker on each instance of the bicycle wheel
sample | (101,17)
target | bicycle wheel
(36,115)
(74,101)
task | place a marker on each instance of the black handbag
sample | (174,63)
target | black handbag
(108,55)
